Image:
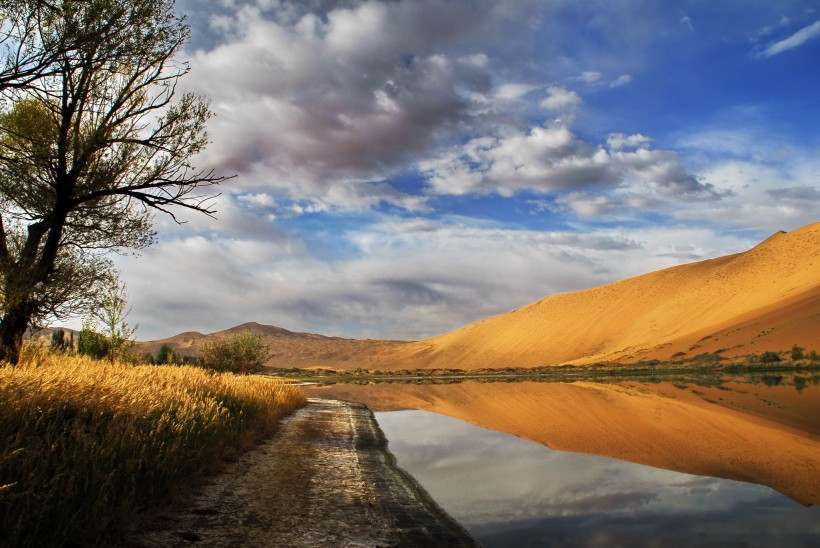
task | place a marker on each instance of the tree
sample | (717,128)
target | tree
(29,53)
(797,353)
(248,351)
(166,355)
(216,354)
(90,343)
(90,147)
(110,316)
(242,352)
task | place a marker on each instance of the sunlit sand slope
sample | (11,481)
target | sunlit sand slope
(744,432)
(767,298)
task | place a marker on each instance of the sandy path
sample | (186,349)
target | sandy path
(324,479)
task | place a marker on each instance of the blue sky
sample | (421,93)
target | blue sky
(407,167)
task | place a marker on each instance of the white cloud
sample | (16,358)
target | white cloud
(551,158)
(621,80)
(561,100)
(347,95)
(797,39)
(590,77)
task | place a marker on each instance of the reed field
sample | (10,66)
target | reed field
(86,444)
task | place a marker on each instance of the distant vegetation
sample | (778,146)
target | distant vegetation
(243,352)
(87,443)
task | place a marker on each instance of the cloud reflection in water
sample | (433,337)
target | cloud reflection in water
(509,491)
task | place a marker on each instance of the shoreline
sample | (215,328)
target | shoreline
(324,478)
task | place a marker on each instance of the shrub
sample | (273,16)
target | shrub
(770,357)
(166,355)
(797,353)
(248,352)
(91,344)
(242,352)
(216,354)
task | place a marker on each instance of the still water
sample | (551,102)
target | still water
(508,491)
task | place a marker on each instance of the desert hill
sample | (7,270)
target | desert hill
(767,298)
(290,349)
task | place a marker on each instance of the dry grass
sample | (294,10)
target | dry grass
(87,444)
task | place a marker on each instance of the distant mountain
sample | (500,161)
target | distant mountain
(767,298)
(290,349)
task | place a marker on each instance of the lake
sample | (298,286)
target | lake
(690,462)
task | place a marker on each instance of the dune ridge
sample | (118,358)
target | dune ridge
(769,294)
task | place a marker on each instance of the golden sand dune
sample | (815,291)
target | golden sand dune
(738,431)
(767,298)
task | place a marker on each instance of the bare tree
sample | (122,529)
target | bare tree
(90,147)
(29,52)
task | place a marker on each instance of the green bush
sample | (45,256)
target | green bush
(166,355)
(92,344)
(770,357)
(242,352)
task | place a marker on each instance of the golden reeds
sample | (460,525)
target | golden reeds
(85,443)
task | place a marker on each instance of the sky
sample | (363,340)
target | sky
(406,167)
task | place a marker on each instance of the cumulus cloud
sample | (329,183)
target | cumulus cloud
(551,158)
(809,32)
(561,100)
(311,96)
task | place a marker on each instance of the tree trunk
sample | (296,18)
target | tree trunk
(12,329)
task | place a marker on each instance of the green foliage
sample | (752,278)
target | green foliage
(166,355)
(243,352)
(90,343)
(105,334)
(797,353)
(111,315)
(248,352)
(813,356)
(770,357)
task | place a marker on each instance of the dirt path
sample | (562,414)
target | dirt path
(324,479)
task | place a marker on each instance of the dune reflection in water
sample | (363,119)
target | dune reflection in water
(509,491)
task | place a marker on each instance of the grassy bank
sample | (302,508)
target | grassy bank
(86,444)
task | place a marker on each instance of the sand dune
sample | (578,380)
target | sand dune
(767,298)
(738,431)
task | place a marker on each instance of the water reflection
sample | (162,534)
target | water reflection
(512,492)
